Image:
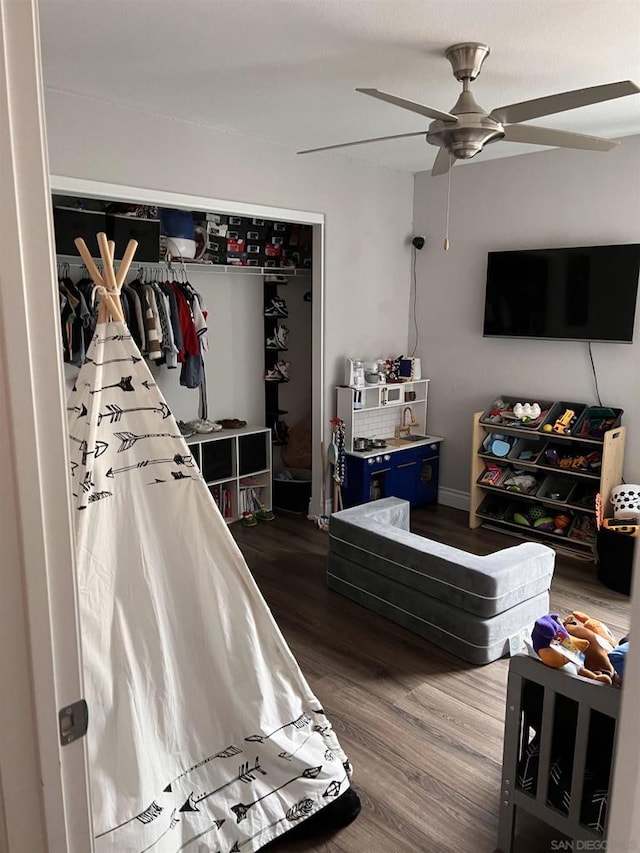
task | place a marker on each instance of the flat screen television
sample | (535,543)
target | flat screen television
(583,294)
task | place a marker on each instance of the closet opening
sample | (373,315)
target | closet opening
(258,273)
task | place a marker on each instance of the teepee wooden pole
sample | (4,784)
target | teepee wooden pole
(81,246)
(109,275)
(125,263)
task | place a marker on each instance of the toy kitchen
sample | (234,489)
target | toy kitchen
(388,451)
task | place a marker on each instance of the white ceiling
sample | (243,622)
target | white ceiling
(286,70)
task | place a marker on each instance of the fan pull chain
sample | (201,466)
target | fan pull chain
(446,233)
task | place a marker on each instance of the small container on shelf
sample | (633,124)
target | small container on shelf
(498,445)
(540,518)
(556,488)
(521,481)
(493,474)
(509,410)
(584,495)
(583,528)
(525,450)
(596,420)
(562,418)
(494,507)
(571,458)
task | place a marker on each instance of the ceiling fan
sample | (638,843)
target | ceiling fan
(467,128)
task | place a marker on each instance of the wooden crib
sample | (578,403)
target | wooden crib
(559,745)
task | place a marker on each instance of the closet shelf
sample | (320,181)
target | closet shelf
(287,272)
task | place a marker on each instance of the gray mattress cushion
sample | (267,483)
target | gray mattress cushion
(376,537)
(471,637)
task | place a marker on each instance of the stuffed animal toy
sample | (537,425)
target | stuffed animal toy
(555,647)
(601,642)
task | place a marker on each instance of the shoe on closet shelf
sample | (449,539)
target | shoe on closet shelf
(272,375)
(283,368)
(185,430)
(279,339)
(276,308)
(276,279)
(202,425)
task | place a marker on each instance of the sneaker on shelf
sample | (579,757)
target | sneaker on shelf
(203,425)
(185,429)
(272,374)
(276,308)
(276,279)
(282,334)
(283,368)
(280,432)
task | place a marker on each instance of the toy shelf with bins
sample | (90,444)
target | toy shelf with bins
(366,411)
(233,462)
(564,490)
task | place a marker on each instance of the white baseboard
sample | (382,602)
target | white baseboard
(454,498)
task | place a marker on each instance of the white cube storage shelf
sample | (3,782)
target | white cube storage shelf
(233,462)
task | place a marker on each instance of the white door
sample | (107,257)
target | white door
(44,804)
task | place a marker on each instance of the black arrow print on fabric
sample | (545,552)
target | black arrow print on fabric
(100,448)
(112,338)
(299,723)
(81,410)
(172,824)
(148,384)
(125,384)
(229,752)
(73,466)
(215,825)
(245,774)
(179,475)
(132,358)
(241,809)
(147,816)
(289,755)
(115,413)
(177,460)
(87,484)
(333,789)
(128,439)
(98,496)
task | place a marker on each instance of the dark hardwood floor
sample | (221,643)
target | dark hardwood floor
(422,728)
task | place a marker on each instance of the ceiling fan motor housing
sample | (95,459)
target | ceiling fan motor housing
(473,130)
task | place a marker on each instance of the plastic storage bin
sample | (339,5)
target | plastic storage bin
(556,488)
(526,450)
(494,506)
(557,411)
(507,420)
(596,420)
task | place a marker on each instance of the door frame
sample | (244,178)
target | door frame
(44,789)
(63,185)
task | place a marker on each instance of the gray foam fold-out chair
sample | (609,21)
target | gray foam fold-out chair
(475,607)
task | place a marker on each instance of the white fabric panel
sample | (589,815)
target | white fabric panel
(203,733)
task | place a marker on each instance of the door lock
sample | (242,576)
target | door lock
(73,721)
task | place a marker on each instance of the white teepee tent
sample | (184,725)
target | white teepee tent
(203,733)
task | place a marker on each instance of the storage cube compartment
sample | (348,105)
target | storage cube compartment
(560,420)
(537,517)
(584,495)
(526,450)
(583,528)
(498,445)
(521,481)
(217,459)
(556,488)
(71,222)
(493,474)
(505,417)
(582,459)
(121,229)
(494,507)
(253,453)
(596,420)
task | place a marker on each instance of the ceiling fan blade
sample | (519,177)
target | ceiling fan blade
(443,162)
(363,141)
(557,138)
(421,109)
(526,110)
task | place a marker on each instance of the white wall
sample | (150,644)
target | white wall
(368,209)
(552,198)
